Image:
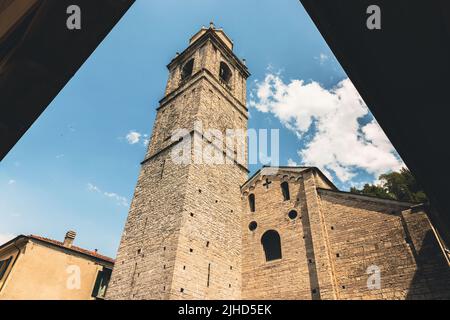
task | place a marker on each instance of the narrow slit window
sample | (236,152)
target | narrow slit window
(285,191)
(209,274)
(251,202)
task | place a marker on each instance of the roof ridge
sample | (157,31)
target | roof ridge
(88,252)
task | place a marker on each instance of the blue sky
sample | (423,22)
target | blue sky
(76,169)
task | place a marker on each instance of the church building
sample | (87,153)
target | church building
(202,231)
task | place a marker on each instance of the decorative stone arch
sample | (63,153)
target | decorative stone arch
(271,243)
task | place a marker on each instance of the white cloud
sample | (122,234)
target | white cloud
(133,137)
(91,187)
(291,163)
(120,200)
(11,181)
(327,121)
(145,140)
(5,237)
(59,156)
(322,58)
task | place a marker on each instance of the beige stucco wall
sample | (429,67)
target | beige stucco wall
(42,272)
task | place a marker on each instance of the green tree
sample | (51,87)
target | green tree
(373,190)
(399,185)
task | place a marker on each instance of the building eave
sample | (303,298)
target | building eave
(53,243)
(371,198)
(287,168)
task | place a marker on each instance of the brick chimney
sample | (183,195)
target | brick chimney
(68,239)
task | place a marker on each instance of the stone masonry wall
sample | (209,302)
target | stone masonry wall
(288,278)
(182,236)
(145,260)
(335,244)
(365,232)
(432,278)
(208,259)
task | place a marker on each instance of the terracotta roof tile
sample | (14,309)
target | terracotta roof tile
(73,248)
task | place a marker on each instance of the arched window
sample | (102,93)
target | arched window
(272,245)
(251,202)
(285,190)
(187,69)
(225,73)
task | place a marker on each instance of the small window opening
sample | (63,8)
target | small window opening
(285,191)
(252,226)
(209,274)
(225,73)
(251,202)
(101,283)
(292,214)
(187,69)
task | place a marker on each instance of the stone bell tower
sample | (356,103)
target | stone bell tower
(182,238)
